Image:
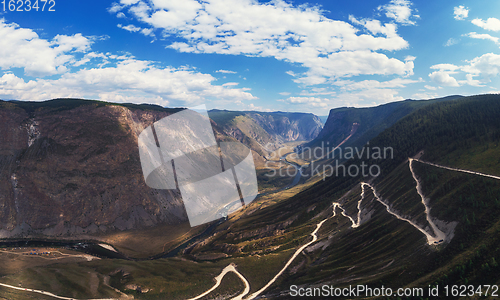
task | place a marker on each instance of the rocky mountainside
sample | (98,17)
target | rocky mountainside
(365,123)
(258,129)
(72,168)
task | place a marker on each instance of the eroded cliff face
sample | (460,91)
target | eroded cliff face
(336,129)
(71,172)
(289,126)
(264,131)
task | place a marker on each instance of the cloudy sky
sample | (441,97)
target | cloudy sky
(249,55)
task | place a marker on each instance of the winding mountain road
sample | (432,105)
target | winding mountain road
(218,279)
(455,169)
(63,255)
(438,238)
(430,239)
(231,268)
(357,223)
(314,239)
(439,235)
(44,292)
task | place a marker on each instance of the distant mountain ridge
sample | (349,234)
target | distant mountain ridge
(257,129)
(370,121)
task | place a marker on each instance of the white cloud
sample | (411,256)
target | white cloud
(115,7)
(483,36)
(492,24)
(346,64)
(130,27)
(66,43)
(359,94)
(471,81)
(424,96)
(363,93)
(22,48)
(366,98)
(252,107)
(400,11)
(225,72)
(393,40)
(141,10)
(432,88)
(451,42)
(310,101)
(301,35)
(128,2)
(315,91)
(485,67)
(103,76)
(374,84)
(147,32)
(284,93)
(370,92)
(445,67)
(310,78)
(128,79)
(133,28)
(460,12)
(443,78)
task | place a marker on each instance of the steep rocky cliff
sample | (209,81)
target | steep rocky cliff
(289,126)
(72,167)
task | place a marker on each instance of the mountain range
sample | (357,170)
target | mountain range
(424,215)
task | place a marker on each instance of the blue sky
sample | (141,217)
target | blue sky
(250,55)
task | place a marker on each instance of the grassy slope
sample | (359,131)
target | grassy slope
(416,132)
(466,129)
(385,250)
(372,121)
